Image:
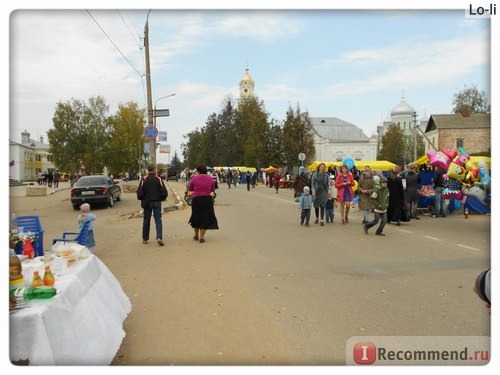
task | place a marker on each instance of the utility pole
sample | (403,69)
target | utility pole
(415,135)
(152,142)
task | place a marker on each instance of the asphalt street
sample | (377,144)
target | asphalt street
(264,290)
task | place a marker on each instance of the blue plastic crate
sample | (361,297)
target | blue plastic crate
(32,224)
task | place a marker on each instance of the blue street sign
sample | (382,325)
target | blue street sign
(151,132)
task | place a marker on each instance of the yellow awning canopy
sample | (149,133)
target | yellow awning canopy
(376,165)
(241,169)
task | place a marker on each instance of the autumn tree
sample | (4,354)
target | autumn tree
(127,140)
(470,100)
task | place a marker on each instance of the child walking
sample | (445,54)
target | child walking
(86,215)
(305,204)
(381,197)
(329,206)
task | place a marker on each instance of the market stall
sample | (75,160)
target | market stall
(376,165)
(466,180)
(81,325)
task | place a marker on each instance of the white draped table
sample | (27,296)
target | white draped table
(81,325)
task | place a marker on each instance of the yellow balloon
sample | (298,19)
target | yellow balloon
(355,187)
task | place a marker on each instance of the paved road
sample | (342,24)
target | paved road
(265,290)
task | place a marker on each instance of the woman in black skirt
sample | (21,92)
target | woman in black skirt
(202,189)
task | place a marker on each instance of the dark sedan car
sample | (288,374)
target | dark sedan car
(95,190)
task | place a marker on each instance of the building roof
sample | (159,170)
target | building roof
(246,76)
(457,121)
(402,109)
(337,130)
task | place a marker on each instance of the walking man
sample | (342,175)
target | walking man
(152,192)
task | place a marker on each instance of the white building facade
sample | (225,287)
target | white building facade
(335,139)
(28,158)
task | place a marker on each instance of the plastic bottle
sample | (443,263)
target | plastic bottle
(466,213)
(16,278)
(28,249)
(37,280)
(48,277)
(34,293)
(13,224)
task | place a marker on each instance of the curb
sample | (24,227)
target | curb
(179,204)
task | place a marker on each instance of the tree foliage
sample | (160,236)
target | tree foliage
(127,142)
(297,136)
(176,163)
(252,120)
(86,131)
(470,100)
(234,136)
(80,131)
(394,148)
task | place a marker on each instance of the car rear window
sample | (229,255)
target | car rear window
(91,181)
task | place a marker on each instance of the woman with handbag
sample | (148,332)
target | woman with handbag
(344,183)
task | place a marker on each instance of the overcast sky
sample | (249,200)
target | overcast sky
(355,65)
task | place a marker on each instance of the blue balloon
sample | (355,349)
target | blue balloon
(349,162)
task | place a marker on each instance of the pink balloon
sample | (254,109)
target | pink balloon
(450,152)
(462,159)
(438,159)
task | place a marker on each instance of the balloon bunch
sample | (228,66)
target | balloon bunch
(462,176)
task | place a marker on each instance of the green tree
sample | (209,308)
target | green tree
(252,120)
(127,140)
(176,163)
(297,137)
(80,131)
(191,148)
(394,146)
(470,100)
(274,146)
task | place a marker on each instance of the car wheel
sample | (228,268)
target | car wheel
(111,202)
(119,198)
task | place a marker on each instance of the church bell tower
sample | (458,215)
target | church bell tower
(246,86)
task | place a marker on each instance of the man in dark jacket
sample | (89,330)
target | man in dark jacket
(438,181)
(153,193)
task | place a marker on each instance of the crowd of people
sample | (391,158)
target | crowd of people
(392,198)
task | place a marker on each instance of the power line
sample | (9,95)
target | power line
(130,31)
(135,29)
(113,43)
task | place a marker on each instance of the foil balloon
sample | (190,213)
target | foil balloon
(472,172)
(438,159)
(451,190)
(450,152)
(456,172)
(461,159)
(349,162)
(484,175)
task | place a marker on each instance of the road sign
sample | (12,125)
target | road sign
(162,136)
(302,156)
(151,132)
(161,112)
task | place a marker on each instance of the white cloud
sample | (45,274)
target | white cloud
(415,64)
